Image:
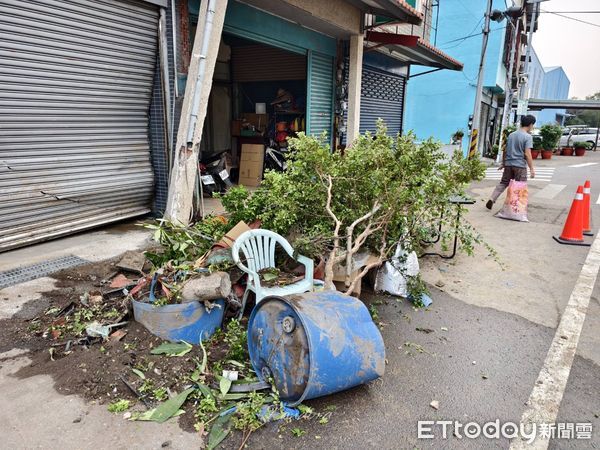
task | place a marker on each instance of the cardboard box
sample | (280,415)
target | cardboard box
(260,121)
(251,164)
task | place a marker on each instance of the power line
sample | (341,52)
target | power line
(465,38)
(572,12)
(469,34)
(572,18)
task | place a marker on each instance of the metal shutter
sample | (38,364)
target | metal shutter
(320,93)
(75,84)
(381,97)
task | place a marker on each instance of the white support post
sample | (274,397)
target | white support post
(354,83)
(197,90)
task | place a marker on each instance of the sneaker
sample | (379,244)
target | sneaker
(489,204)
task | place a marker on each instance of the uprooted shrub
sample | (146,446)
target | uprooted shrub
(381,192)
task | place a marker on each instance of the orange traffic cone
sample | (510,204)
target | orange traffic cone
(572,233)
(587,209)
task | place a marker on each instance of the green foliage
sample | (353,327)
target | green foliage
(246,415)
(411,183)
(458,134)
(298,432)
(509,129)
(118,406)
(537,143)
(550,136)
(581,144)
(185,243)
(237,339)
(206,408)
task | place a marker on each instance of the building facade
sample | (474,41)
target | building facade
(555,86)
(91,94)
(441,103)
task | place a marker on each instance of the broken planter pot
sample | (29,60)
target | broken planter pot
(191,322)
(314,344)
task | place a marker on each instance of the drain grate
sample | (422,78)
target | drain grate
(27,273)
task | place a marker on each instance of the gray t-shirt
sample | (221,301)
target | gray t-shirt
(516,144)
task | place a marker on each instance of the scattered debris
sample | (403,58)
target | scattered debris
(206,287)
(95,329)
(440,283)
(120,281)
(132,261)
(425,330)
(444,328)
(435,404)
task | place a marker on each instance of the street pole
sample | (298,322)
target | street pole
(508,92)
(523,91)
(474,142)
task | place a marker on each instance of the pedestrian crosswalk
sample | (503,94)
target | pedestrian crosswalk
(542,174)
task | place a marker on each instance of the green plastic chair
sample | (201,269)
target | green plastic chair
(258,247)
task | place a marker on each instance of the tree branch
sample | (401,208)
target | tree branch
(333,258)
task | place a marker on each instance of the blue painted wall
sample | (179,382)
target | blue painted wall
(440,103)
(555,86)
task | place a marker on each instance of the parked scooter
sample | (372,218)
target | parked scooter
(214,175)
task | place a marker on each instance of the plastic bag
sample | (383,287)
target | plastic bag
(390,279)
(515,205)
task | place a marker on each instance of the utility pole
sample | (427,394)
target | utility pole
(197,90)
(523,90)
(508,92)
(474,142)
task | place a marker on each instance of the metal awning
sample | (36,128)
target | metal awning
(394,9)
(410,50)
(537,104)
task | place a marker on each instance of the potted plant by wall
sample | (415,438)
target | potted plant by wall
(550,137)
(567,151)
(581,147)
(537,147)
(457,137)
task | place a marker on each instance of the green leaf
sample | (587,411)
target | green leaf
(224,385)
(269,276)
(235,396)
(147,415)
(205,390)
(172,349)
(235,363)
(202,367)
(219,431)
(168,409)
(139,373)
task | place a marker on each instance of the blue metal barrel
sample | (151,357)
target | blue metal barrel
(314,344)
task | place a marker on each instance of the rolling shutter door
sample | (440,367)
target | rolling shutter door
(320,94)
(382,97)
(75,85)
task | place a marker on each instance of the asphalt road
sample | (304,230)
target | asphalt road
(481,369)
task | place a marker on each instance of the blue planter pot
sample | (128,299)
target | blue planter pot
(189,322)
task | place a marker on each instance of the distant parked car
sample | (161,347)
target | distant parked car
(579,133)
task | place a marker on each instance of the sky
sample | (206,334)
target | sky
(573,45)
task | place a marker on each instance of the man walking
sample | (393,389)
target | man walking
(516,158)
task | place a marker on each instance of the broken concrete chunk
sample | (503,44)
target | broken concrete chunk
(132,261)
(120,281)
(211,287)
